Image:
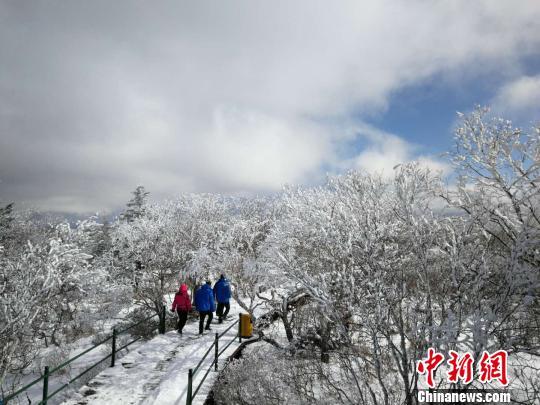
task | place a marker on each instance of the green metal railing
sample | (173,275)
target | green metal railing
(217,353)
(112,355)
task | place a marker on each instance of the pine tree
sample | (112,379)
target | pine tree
(136,206)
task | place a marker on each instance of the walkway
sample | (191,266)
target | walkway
(156,372)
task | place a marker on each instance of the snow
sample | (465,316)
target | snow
(157,372)
(62,376)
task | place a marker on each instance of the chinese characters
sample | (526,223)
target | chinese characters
(491,367)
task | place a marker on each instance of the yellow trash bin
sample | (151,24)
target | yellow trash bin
(246,327)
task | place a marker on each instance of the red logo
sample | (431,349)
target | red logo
(491,367)
(461,367)
(429,366)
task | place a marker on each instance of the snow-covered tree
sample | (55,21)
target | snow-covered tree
(173,242)
(136,206)
(241,253)
(498,191)
(39,289)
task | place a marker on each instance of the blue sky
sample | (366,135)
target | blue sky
(425,113)
(245,96)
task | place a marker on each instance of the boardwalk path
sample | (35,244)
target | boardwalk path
(156,372)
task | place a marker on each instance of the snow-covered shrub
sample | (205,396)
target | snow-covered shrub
(268,375)
(262,377)
(145,329)
(52,357)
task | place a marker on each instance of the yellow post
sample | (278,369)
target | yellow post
(246,328)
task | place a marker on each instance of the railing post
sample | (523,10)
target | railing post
(45,386)
(189,386)
(240,328)
(162,321)
(216,352)
(113,354)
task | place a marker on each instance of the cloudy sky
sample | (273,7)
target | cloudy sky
(244,96)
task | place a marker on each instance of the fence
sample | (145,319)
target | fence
(48,372)
(192,372)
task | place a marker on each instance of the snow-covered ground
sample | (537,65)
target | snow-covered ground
(157,372)
(61,377)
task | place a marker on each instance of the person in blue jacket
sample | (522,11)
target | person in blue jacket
(205,304)
(222,292)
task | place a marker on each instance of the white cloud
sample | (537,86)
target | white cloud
(228,96)
(253,150)
(435,164)
(519,99)
(383,151)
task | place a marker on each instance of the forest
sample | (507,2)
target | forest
(349,282)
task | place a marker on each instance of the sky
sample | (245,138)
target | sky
(245,96)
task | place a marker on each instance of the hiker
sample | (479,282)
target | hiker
(222,292)
(182,305)
(205,304)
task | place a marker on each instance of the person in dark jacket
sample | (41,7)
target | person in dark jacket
(182,305)
(222,292)
(205,304)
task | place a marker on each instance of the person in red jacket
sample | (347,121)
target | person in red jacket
(182,305)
